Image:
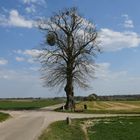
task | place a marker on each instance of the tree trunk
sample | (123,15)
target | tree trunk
(70,96)
(69,73)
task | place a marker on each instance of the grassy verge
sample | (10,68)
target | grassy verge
(27,104)
(100,111)
(61,131)
(111,112)
(112,128)
(3,116)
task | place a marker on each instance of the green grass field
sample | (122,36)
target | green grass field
(116,128)
(61,131)
(27,104)
(110,106)
(3,116)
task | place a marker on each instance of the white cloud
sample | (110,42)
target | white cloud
(114,82)
(33,52)
(103,72)
(30,60)
(128,23)
(30,9)
(15,19)
(29,1)
(20,59)
(110,82)
(4,9)
(3,61)
(113,40)
(3,20)
(40,2)
(31,6)
(18,51)
(34,68)
(28,56)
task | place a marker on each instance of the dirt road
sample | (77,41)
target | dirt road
(28,125)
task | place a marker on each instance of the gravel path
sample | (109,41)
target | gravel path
(28,125)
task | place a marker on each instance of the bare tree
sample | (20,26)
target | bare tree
(68,54)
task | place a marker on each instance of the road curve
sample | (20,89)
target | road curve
(28,125)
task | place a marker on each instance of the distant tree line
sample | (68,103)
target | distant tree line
(120,98)
(91,97)
(94,97)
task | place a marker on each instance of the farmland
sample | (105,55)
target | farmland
(109,106)
(27,104)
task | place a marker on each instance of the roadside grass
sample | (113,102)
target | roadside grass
(61,131)
(108,128)
(3,116)
(27,104)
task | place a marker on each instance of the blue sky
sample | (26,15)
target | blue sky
(118,26)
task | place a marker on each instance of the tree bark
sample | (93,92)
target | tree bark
(70,96)
(69,87)
(69,72)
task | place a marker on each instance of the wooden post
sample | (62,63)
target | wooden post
(68,120)
(63,107)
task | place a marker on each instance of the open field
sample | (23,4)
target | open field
(110,106)
(116,128)
(27,104)
(125,128)
(3,116)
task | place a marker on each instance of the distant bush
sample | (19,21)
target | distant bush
(91,97)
